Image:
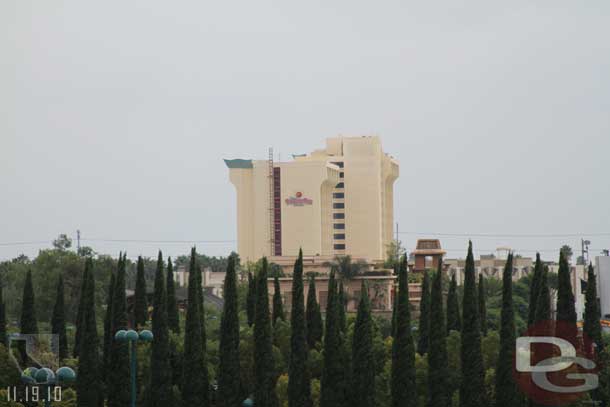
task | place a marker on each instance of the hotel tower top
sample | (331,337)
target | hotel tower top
(335,201)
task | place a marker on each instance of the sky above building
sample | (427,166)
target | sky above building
(115,116)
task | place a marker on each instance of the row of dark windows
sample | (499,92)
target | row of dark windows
(338,195)
(340,185)
(341,175)
(339,205)
(339,226)
(339,236)
(338,164)
(339,246)
(338,216)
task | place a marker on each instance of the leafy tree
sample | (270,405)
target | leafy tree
(108,332)
(363,363)
(506,389)
(160,394)
(438,371)
(195,390)
(118,375)
(298,375)
(332,393)
(473,375)
(424,317)
(394,252)
(251,299)
(454,322)
(62,243)
(228,375)
(28,323)
(592,326)
(534,290)
(314,328)
(58,321)
(347,268)
(3,332)
(482,305)
(88,380)
(567,252)
(264,369)
(278,307)
(566,310)
(140,309)
(173,317)
(403,350)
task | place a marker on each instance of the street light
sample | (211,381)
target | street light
(133,338)
(45,377)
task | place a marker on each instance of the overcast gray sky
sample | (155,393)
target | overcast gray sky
(115,116)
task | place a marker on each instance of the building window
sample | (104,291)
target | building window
(339,236)
(338,205)
(339,246)
(338,163)
(338,195)
(341,175)
(339,226)
(340,185)
(339,215)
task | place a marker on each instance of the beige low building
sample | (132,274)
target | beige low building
(334,201)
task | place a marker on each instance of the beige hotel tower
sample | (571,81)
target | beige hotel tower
(335,201)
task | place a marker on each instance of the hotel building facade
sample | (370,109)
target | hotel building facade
(334,201)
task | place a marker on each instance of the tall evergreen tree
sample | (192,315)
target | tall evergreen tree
(251,299)
(438,369)
(79,316)
(315,326)
(342,300)
(278,307)
(3,332)
(160,394)
(228,373)
(566,310)
(88,389)
(195,390)
(506,390)
(363,363)
(173,316)
(332,391)
(592,326)
(403,349)
(28,324)
(264,369)
(118,375)
(58,321)
(454,322)
(473,375)
(140,307)
(534,290)
(482,305)
(543,302)
(108,332)
(424,317)
(299,393)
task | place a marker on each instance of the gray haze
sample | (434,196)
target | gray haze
(115,116)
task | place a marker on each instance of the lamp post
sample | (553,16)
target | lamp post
(133,337)
(45,377)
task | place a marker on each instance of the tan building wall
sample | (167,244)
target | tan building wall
(334,201)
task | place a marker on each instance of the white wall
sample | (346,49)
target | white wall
(602,269)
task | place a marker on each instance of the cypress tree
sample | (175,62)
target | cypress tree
(228,373)
(342,300)
(482,305)
(118,375)
(592,326)
(28,309)
(79,317)
(473,375)
(506,391)
(332,391)
(264,369)
(403,350)
(543,302)
(195,390)
(424,317)
(394,308)
(251,299)
(363,363)
(140,308)
(173,317)
(278,308)
(454,322)
(88,380)
(566,310)
(160,370)
(3,332)
(438,370)
(108,332)
(58,321)
(313,316)
(534,290)
(298,376)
